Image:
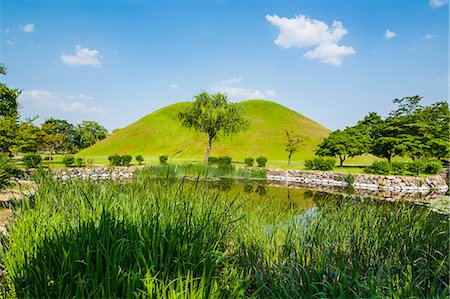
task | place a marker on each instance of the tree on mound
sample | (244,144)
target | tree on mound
(215,116)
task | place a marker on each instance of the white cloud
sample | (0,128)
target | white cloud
(173,86)
(301,32)
(330,53)
(232,88)
(83,56)
(11,43)
(389,34)
(28,28)
(429,36)
(437,3)
(59,101)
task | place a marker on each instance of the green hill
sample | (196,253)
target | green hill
(160,132)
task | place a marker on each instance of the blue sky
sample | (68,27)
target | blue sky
(116,61)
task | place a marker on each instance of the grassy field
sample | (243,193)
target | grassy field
(161,133)
(166,239)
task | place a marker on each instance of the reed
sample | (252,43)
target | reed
(177,239)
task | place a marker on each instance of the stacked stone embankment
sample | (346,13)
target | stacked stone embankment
(96,173)
(377,183)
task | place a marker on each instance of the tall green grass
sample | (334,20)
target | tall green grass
(178,239)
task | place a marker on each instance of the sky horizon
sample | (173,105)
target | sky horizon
(116,61)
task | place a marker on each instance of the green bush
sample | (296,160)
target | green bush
(261,161)
(248,162)
(32,160)
(224,161)
(320,163)
(126,160)
(379,167)
(350,179)
(115,160)
(213,160)
(139,159)
(6,170)
(433,167)
(68,161)
(163,159)
(417,166)
(90,162)
(79,162)
(398,168)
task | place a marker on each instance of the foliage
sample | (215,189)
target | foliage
(398,168)
(165,239)
(433,167)
(248,162)
(379,167)
(261,161)
(163,159)
(350,179)
(214,115)
(320,163)
(8,134)
(90,162)
(126,160)
(31,160)
(350,142)
(417,166)
(60,126)
(115,160)
(224,161)
(88,133)
(292,144)
(6,170)
(79,162)
(139,159)
(68,161)
(213,160)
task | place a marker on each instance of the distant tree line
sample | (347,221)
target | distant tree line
(52,136)
(412,130)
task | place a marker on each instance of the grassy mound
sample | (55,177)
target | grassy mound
(161,133)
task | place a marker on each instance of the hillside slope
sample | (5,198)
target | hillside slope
(161,133)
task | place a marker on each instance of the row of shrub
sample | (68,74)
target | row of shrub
(260,161)
(416,167)
(320,163)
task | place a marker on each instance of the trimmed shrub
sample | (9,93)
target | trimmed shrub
(163,159)
(224,161)
(126,160)
(213,160)
(418,166)
(32,160)
(68,161)
(379,167)
(398,167)
(248,162)
(115,160)
(79,162)
(433,167)
(139,159)
(320,163)
(261,161)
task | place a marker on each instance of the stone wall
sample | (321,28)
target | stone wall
(96,173)
(377,183)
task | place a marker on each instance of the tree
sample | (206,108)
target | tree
(63,127)
(292,144)
(89,133)
(9,115)
(52,140)
(215,116)
(344,144)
